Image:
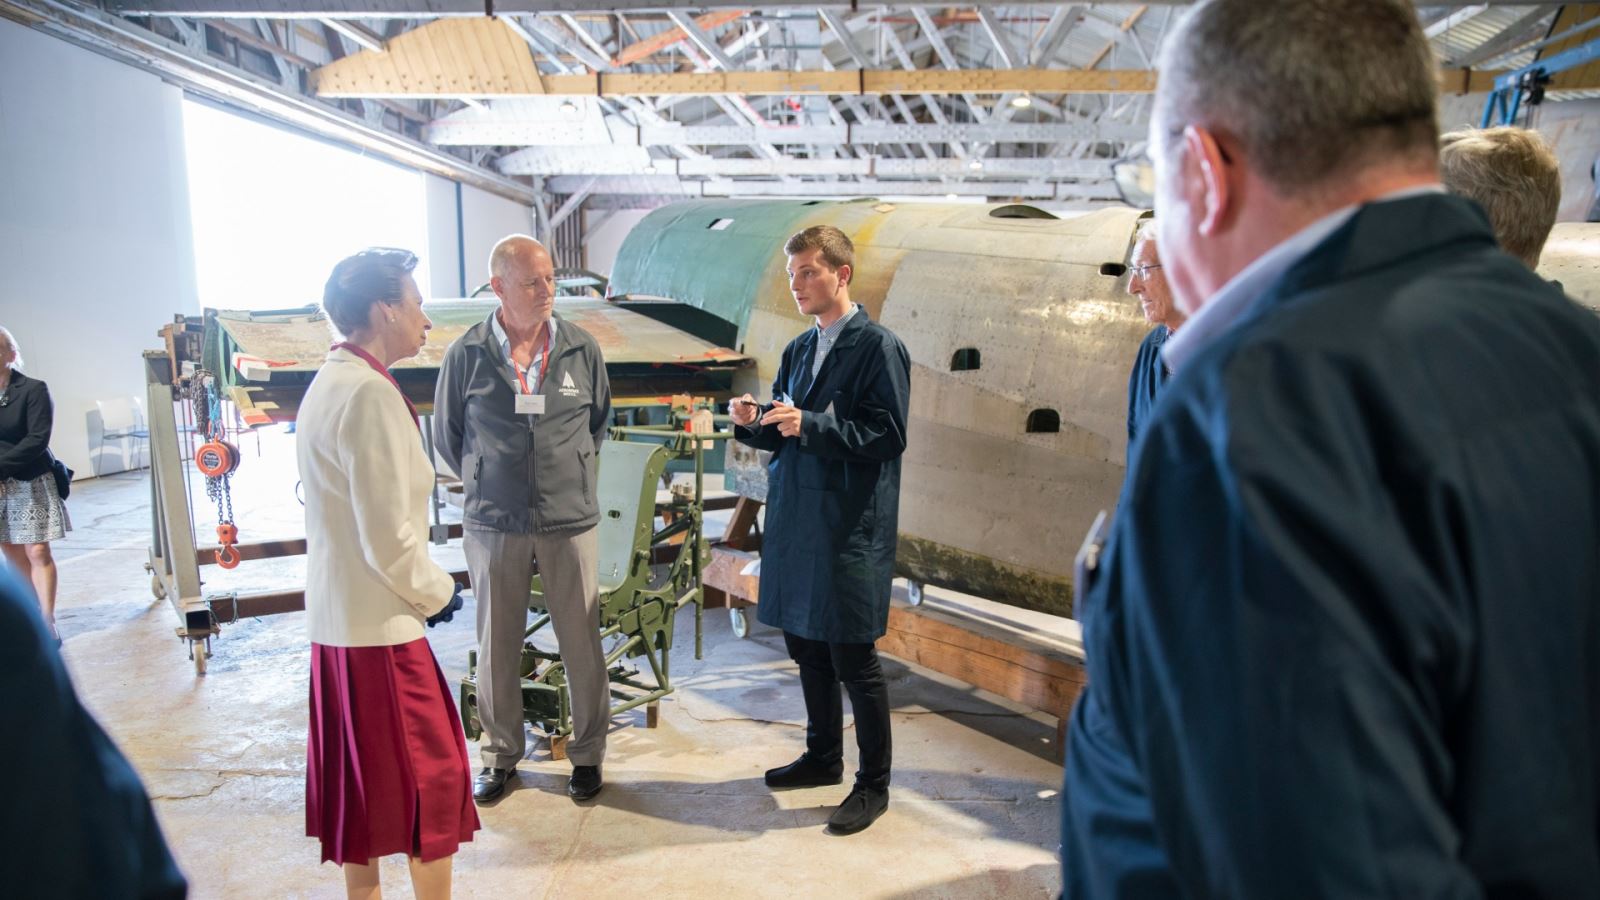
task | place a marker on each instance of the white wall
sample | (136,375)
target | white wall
(95,243)
(485,219)
(600,245)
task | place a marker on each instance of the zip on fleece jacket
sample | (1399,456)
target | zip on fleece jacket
(523,473)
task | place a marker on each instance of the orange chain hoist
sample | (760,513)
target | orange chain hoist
(217,459)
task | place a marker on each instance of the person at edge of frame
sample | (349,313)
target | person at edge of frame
(1148,282)
(1344,639)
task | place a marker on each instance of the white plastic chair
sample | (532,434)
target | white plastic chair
(121,419)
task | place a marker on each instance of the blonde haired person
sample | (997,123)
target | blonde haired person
(386,760)
(1513,174)
(31,512)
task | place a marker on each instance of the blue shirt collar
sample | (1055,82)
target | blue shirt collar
(1229,304)
(505,339)
(832,331)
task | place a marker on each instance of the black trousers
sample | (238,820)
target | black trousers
(823,667)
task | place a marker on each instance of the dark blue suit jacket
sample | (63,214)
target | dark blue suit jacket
(76,820)
(1145,382)
(1346,642)
(833,493)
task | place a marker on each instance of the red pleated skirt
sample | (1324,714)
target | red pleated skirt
(386,761)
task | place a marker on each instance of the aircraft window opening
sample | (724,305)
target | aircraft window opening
(719,225)
(1044,421)
(1020,211)
(967,359)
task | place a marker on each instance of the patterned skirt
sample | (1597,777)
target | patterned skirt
(31,512)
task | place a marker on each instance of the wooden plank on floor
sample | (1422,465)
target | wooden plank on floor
(985,657)
(724,573)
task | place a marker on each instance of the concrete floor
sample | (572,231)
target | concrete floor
(973,811)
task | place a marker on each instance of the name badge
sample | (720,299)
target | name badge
(530,404)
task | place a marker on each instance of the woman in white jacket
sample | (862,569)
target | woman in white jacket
(387,769)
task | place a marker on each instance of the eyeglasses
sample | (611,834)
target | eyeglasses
(1135,177)
(1142,271)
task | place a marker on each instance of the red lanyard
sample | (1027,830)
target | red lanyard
(378,367)
(544,363)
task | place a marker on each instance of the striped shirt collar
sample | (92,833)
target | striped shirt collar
(831,333)
(538,349)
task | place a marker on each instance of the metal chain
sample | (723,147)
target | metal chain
(218,489)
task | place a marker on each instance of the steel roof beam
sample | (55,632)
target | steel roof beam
(1054,34)
(1459,17)
(671,186)
(554,161)
(1525,30)
(145,50)
(1009,57)
(701,39)
(504,128)
(841,33)
(357,33)
(423,9)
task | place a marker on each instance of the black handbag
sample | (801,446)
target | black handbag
(63,476)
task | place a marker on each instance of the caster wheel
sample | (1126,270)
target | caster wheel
(157,588)
(914,593)
(740,623)
(199,653)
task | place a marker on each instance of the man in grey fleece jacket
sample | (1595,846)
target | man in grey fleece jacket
(520,409)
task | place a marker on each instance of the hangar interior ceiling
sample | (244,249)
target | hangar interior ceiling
(642,102)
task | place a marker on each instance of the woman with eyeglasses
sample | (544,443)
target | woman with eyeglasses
(31,512)
(387,769)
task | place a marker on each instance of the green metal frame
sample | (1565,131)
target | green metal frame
(646,575)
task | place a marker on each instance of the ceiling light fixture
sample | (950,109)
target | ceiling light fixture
(569,109)
(975,165)
(952,196)
(1022,101)
(650,168)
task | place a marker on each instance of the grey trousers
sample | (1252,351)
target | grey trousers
(501,566)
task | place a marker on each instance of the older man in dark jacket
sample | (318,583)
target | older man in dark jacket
(1346,642)
(836,429)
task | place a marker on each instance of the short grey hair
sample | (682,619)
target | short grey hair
(1145,231)
(8,342)
(1513,174)
(1310,90)
(506,250)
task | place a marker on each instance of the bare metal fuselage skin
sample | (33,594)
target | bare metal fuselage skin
(986,506)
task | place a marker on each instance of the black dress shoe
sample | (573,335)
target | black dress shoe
(860,809)
(490,784)
(804,772)
(585,782)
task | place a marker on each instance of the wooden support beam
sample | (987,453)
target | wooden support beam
(650,46)
(450,58)
(372,80)
(484,58)
(261,43)
(985,657)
